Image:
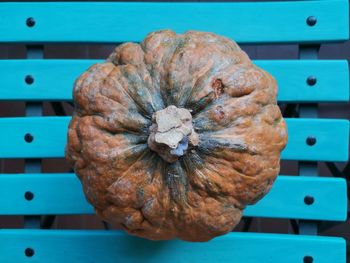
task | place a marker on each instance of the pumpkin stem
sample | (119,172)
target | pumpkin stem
(172,133)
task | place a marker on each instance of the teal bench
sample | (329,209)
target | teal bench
(307,198)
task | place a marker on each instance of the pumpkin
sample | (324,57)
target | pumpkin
(175,136)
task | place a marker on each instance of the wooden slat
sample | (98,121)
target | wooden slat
(329,195)
(117,22)
(332,140)
(53,79)
(112,246)
(50,135)
(62,194)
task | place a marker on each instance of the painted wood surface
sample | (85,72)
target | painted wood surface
(110,246)
(62,194)
(259,22)
(53,79)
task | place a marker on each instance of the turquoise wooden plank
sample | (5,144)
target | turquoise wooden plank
(62,194)
(115,246)
(332,140)
(259,22)
(291,76)
(53,194)
(49,138)
(53,79)
(329,194)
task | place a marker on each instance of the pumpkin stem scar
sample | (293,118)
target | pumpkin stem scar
(172,133)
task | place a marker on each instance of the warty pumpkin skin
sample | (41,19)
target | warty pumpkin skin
(175,136)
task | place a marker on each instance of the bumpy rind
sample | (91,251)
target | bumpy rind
(233,105)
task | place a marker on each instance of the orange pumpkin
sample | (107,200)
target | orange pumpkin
(173,137)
